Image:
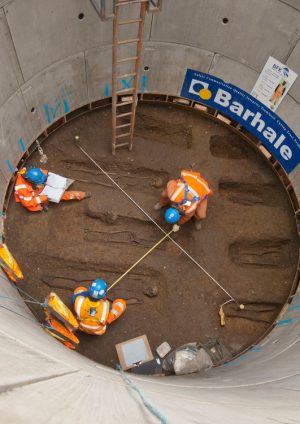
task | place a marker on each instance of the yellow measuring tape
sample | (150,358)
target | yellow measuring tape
(174,230)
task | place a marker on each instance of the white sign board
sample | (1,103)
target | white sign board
(273,83)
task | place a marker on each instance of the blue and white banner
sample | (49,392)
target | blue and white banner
(240,106)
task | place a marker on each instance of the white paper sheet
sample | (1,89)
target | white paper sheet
(53,194)
(56,181)
(55,187)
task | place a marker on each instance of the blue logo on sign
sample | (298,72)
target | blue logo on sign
(237,104)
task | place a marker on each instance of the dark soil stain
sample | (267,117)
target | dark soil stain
(249,194)
(274,253)
(228,147)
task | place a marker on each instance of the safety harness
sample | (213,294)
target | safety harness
(185,200)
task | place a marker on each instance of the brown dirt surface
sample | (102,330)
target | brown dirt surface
(248,241)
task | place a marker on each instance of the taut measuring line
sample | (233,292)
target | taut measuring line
(174,230)
(152,220)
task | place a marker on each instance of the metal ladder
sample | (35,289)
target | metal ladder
(124,100)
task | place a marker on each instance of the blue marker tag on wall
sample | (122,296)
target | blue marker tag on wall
(9,165)
(22,145)
(240,106)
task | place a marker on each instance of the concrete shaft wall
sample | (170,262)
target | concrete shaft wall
(52,63)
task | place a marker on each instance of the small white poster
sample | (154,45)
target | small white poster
(273,83)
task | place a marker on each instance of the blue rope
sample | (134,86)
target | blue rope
(148,405)
(22,301)
(23,316)
(26,294)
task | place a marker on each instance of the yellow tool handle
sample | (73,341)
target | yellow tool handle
(222,317)
(174,229)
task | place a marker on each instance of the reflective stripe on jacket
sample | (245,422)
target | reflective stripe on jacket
(118,308)
(189,191)
(92,315)
(28,196)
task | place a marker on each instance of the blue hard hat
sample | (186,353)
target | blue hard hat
(98,289)
(172,215)
(35,176)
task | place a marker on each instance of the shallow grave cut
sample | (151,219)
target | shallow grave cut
(248,241)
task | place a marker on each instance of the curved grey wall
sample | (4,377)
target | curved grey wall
(53,63)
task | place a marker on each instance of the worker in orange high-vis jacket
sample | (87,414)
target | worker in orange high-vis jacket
(29,185)
(187,197)
(93,311)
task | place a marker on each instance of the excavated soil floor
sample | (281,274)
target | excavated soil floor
(248,241)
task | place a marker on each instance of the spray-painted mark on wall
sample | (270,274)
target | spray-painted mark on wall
(292,308)
(22,145)
(242,358)
(9,165)
(144,83)
(256,349)
(59,107)
(288,321)
(236,361)
(282,323)
(128,83)
(295,312)
(106,90)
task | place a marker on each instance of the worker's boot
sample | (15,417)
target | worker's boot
(198,225)
(157,206)
(44,207)
(87,195)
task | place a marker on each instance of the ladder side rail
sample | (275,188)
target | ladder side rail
(114,78)
(143,9)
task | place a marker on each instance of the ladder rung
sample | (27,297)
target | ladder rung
(133,74)
(123,135)
(126,90)
(123,125)
(128,41)
(127,59)
(121,144)
(124,114)
(124,103)
(124,3)
(130,21)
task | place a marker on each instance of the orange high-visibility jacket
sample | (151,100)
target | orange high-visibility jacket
(55,307)
(188,191)
(61,332)
(27,196)
(8,263)
(94,315)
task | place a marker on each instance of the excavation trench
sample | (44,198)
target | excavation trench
(248,241)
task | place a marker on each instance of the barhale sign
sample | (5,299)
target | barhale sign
(239,105)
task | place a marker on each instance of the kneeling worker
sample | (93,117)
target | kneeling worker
(93,310)
(187,197)
(29,185)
